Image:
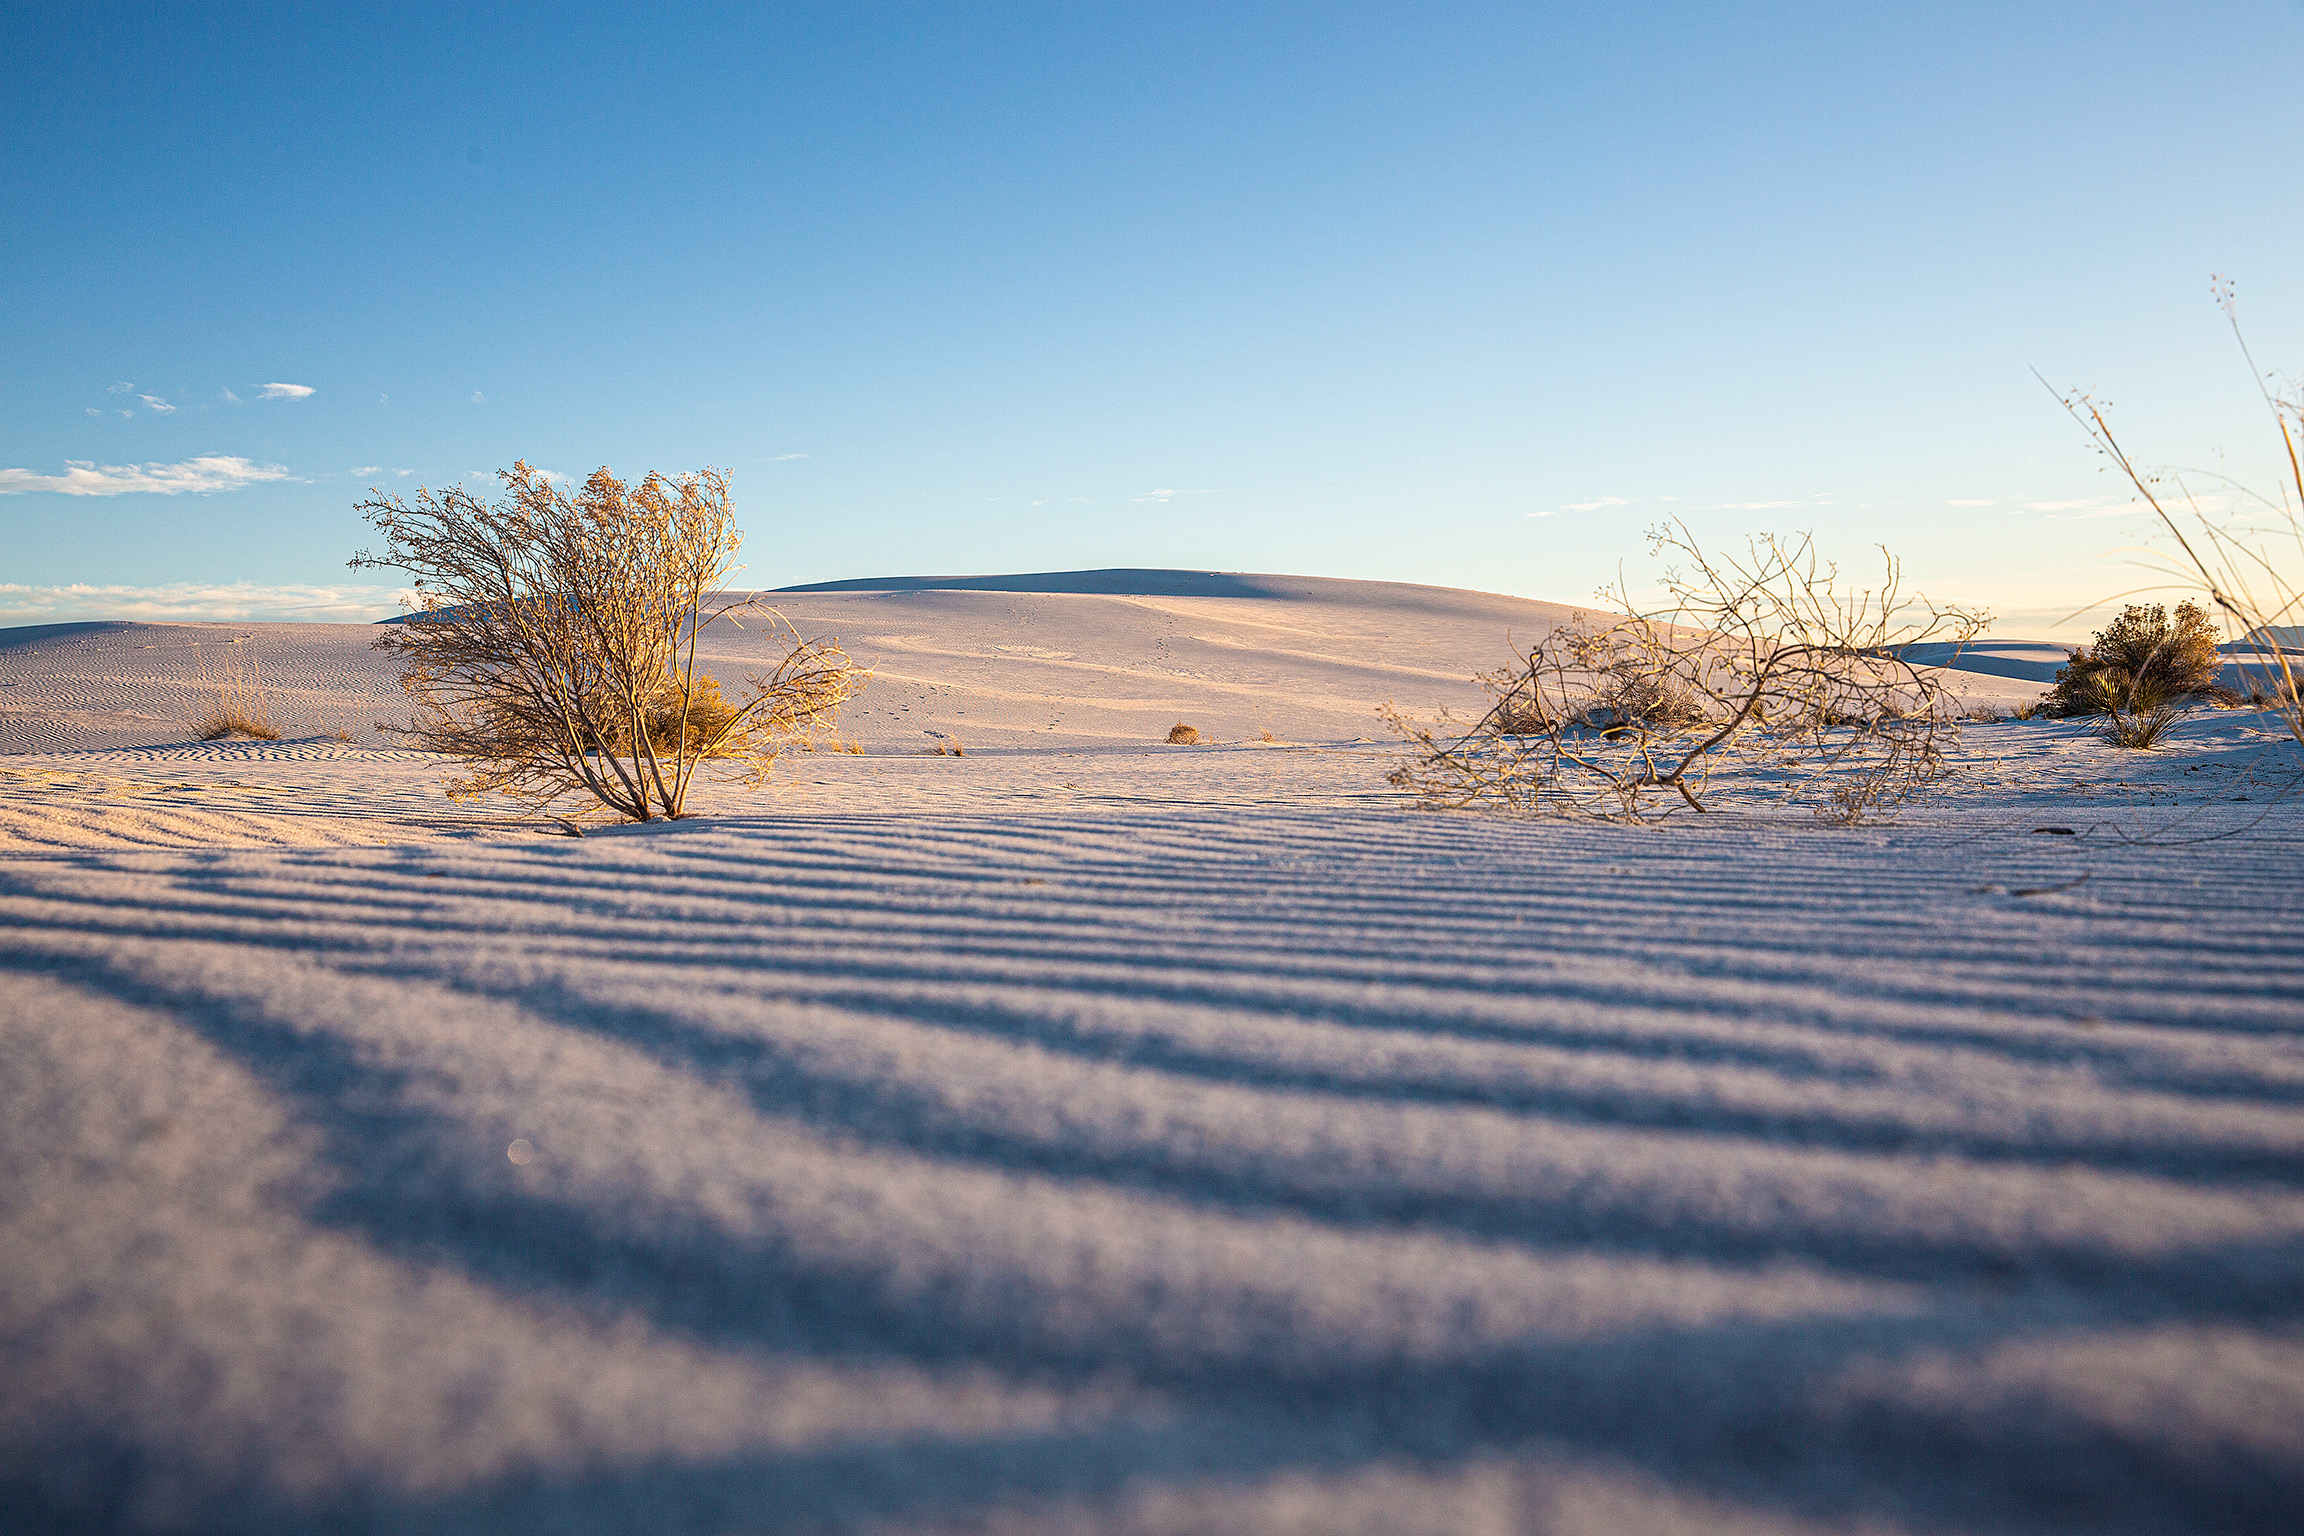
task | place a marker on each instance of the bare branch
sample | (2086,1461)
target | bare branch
(1766,657)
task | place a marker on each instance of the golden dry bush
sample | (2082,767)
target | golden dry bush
(1182,735)
(551,641)
(2142,661)
(1768,659)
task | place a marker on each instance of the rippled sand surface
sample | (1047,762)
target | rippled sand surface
(1136,1139)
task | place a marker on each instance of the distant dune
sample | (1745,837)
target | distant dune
(1047,659)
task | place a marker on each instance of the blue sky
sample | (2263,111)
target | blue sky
(1460,294)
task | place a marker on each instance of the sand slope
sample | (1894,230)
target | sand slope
(1304,658)
(1065,659)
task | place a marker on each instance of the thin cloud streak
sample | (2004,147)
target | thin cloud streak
(1596,505)
(201,476)
(285,392)
(196,601)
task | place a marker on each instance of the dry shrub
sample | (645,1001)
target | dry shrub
(551,644)
(2250,564)
(2141,661)
(1182,735)
(1766,658)
(239,708)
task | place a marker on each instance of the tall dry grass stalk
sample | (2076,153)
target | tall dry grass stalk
(1767,658)
(551,643)
(2251,567)
(238,708)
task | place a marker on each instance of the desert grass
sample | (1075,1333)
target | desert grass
(1182,735)
(551,644)
(238,707)
(1768,657)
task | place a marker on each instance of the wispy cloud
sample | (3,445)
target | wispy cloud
(2083,508)
(120,388)
(94,412)
(229,397)
(369,469)
(784,457)
(214,472)
(1969,501)
(1595,505)
(1168,495)
(479,398)
(154,402)
(285,392)
(21,604)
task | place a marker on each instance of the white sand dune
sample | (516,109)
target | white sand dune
(1084,1135)
(1059,660)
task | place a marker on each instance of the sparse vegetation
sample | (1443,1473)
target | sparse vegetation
(2251,567)
(1182,735)
(551,642)
(1768,658)
(2139,730)
(2141,661)
(238,708)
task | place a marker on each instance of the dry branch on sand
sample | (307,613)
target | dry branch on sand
(1766,658)
(552,641)
(2250,565)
